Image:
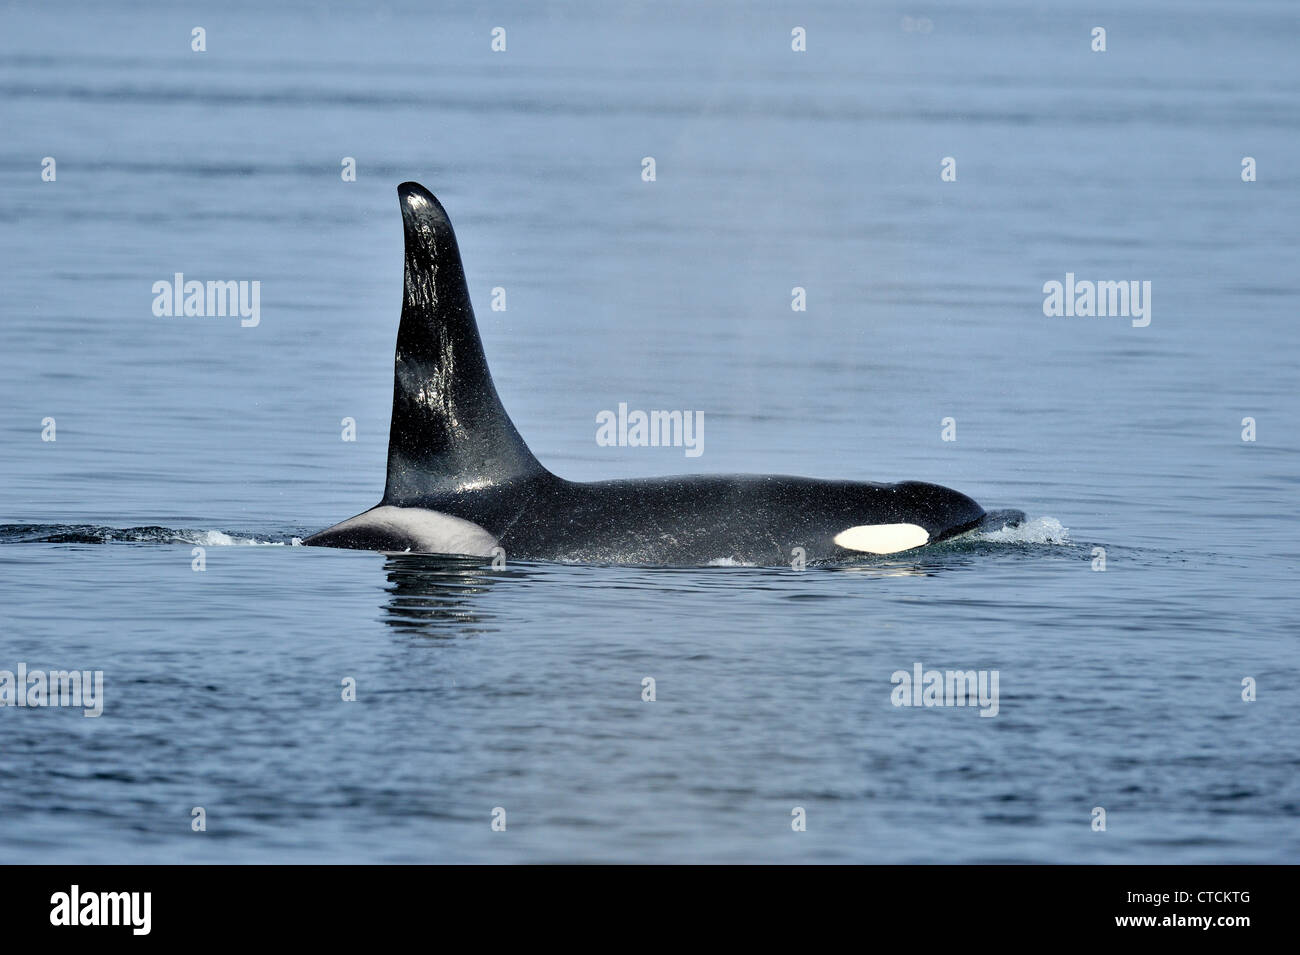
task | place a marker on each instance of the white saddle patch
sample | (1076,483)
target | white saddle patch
(423,531)
(882,538)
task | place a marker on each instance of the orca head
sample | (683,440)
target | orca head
(942,511)
(915,514)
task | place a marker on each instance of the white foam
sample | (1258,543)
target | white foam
(729,562)
(221,539)
(1041,530)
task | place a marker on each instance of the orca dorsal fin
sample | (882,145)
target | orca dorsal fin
(449,432)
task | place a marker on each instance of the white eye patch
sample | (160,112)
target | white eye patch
(882,538)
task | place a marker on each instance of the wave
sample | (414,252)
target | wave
(1041,530)
(151,534)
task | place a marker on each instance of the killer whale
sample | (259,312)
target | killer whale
(461,480)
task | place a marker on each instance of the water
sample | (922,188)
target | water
(521,688)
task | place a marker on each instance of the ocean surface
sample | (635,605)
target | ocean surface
(515,695)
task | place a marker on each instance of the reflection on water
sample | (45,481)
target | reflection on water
(439,596)
(443,596)
(883,570)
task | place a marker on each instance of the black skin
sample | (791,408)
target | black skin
(453,449)
(686,521)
